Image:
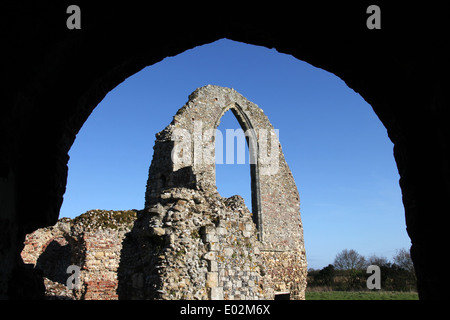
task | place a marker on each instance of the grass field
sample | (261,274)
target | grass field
(361,295)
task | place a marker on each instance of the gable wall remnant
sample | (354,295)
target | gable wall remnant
(184,157)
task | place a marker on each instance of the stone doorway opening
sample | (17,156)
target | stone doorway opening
(282,296)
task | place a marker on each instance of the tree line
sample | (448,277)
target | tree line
(349,272)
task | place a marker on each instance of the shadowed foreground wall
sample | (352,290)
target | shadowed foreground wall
(92,242)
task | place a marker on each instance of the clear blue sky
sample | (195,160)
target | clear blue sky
(337,149)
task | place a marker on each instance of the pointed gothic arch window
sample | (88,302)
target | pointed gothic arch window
(250,157)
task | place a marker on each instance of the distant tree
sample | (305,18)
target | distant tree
(351,263)
(349,260)
(325,276)
(403,260)
(377,261)
(349,272)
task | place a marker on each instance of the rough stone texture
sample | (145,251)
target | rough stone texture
(54,78)
(192,244)
(183,158)
(189,242)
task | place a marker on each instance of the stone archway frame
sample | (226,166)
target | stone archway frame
(50,94)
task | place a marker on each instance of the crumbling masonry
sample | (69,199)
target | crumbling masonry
(189,242)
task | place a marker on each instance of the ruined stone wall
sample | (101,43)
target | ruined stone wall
(189,242)
(193,245)
(190,245)
(184,156)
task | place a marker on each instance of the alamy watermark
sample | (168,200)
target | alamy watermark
(374,20)
(373,281)
(205,147)
(73,22)
(73,281)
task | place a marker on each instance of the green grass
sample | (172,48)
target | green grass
(361,295)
